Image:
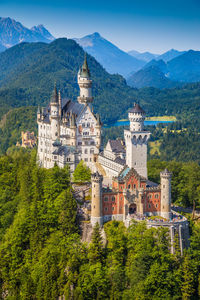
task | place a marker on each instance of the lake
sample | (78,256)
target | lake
(147,122)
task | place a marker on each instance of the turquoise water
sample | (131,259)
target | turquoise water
(126,123)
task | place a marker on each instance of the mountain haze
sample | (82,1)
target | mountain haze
(160,74)
(13,33)
(167,56)
(109,56)
(146,56)
(151,76)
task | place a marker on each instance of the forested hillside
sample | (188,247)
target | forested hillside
(42,256)
(27,76)
(28,73)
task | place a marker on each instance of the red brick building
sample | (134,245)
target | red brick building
(130,194)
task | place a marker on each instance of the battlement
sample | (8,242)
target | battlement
(97,177)
(166,174)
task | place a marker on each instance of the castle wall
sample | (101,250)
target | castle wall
(113,203)
(152,203)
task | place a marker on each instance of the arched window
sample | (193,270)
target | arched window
(113,198)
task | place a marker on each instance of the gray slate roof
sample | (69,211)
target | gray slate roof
(64,150)
(117,146)
(120,161)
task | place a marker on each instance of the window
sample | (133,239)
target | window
(113,199)
(86,151)
(105,198)
(129,186)
(134,186)
(91,151)
(149,205)
(88,124)
(83,125)
(156,196)
(55,157)
(86,159)
(156,205)
(79,143)
(113,208)
(106,209)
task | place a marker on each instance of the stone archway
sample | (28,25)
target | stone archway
(132,208)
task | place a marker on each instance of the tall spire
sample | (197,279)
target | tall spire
(85,84)
(85,72)
(54,98)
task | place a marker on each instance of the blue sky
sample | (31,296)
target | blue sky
(143,25)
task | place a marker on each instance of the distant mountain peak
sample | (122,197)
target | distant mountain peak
(13,32)
(96,35)
(113,59)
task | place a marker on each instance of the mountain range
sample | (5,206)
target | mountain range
(167,70)
(145,56)
(183,68)
(13,32)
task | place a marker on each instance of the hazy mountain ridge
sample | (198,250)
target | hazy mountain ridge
(183,68)
(113,59)
(146,56)
(13,33)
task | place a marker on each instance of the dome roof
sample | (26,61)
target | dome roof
(136,109)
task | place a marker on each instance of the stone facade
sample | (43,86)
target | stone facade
(129,194)
(69,131)
(28,139)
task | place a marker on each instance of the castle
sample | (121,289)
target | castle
(69,132)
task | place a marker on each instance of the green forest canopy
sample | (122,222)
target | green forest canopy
(42,256)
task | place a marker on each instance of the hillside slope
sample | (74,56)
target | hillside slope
(28,73)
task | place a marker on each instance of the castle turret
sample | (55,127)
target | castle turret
(54,115)
(96,205)
(60,104)
(85,84)
(73,130)
(38,113)
(136,141)
(98,131)
(165,182)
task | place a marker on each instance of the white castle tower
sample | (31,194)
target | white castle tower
(54,115)
(96,205)
(136,141)
(85,84)
(165,182)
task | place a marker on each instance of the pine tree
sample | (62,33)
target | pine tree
(68,214)
(188,279)
(95,253)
